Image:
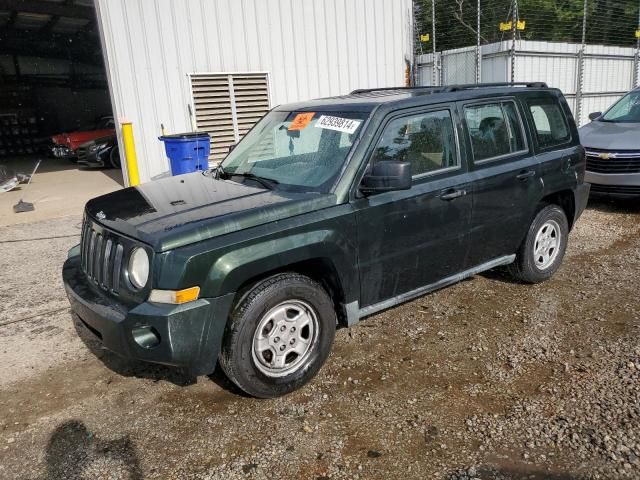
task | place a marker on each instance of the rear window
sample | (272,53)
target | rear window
(549,121)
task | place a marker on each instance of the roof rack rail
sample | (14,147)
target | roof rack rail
(389,89)
(455,88)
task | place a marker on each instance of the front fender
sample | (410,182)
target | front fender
(233,269)
(223,264)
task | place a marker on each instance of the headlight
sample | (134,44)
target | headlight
(139,267)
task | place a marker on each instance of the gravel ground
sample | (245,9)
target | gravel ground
(487,379)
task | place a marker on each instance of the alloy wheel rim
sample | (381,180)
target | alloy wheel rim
(284,338)
(547,244)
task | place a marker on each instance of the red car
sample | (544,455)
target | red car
(65,145)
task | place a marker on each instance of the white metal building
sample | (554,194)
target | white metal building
(219,65)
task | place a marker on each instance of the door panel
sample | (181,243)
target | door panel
(504,201)
(506,187)
(412,238)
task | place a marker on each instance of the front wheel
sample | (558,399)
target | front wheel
(279,335)
(542,250)
(114,157)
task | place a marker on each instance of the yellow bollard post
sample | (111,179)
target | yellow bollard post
(130,153)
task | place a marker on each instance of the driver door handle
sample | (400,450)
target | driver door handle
(525,175)
(452,194)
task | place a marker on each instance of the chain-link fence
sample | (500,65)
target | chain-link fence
(590,49)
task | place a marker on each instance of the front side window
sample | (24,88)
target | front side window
(425,140)
(550,122)
(495,130)
(295,151)
(626,110)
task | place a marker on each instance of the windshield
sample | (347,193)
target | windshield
(626,110)
(296,151)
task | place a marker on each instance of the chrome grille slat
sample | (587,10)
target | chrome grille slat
(97,260)
(117,266)
(87,237)
(92,247)
(83,245)
(105,264)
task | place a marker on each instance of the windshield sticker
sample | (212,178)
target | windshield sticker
(338,123)
(301,121)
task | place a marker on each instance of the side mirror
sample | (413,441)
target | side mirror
(387,176)
(231,147)
(593,116)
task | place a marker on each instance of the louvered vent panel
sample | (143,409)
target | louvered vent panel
(212,105)
(252,100)
(215,95)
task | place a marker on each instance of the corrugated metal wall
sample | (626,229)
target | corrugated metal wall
(310,48)
(608,71)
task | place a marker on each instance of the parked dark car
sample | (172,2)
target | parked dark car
(101,152)
(613,148)
(326,212)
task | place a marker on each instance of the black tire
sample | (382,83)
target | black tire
(238,358)
(526,268)
(114,157)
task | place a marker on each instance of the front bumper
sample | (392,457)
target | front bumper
(91,159)
(619,184)
(187,336)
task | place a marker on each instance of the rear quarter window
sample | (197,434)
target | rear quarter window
(495,130)
(550,124)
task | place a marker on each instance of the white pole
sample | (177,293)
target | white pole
(433,43)
(478,52)
(636,60)
(580,83)
(514,31)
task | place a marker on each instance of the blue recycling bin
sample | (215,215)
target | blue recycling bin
(187,152)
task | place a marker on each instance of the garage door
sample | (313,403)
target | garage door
(226,106)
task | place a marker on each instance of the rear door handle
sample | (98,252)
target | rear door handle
(452,194)
(525,175)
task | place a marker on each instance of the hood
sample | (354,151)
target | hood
(176,211)
(610,135)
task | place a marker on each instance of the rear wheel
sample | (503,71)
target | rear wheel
(279,335)
(542,250)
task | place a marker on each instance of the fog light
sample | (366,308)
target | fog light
(146,337)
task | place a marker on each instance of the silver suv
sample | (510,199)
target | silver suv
(613,148)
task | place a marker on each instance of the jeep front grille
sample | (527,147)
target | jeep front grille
(101,256)
(604,161)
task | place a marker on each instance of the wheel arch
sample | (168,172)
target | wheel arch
(565,199)
(319,269)
(325,256)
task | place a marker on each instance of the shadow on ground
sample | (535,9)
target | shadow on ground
(131,368)
(609,204)
(520,473)
(501,274)
(72,448)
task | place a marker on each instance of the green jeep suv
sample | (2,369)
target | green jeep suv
(326,212)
